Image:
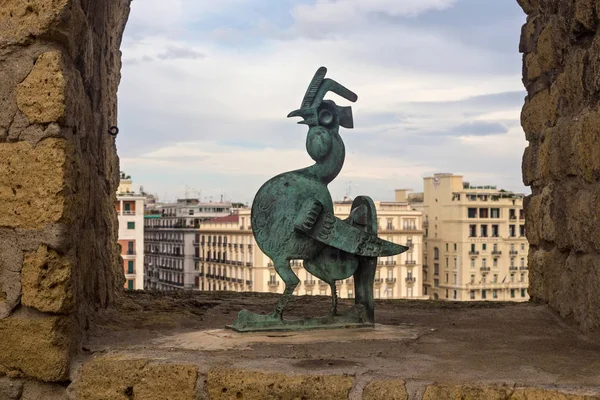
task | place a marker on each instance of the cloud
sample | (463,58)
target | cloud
(206,88)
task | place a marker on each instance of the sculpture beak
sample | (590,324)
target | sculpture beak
(309,116)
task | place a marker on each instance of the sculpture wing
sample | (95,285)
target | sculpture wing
(311,92)
(326,228)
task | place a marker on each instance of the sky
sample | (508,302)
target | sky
(206,87)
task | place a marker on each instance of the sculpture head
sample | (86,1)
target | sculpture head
(316,112)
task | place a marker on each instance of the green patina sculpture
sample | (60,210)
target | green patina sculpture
(292,219)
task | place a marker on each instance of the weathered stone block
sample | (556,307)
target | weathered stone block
(586,138)
(11,260)
(10,389)
(567,91)
(119,378)
(392,389)
(34,183)
(46,281)
(532,67)
(543,394)
(235,383)
(585,19)
(529,6)
(33,390)
(550,44)
(20,19)
(41,96)
(539,112)
(37,345)
(533,208)
(442,392)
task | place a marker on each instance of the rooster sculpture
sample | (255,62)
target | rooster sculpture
(292,214)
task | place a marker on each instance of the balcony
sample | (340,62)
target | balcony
(410,279)
(248,282)
(411,262)
(496,252)
(424,266)
(390,280)
(523,268)
(273,283)
(513,268)
(309,282)
(248,264)
(350,281)
(378,280)
(513,252)
(128,212)
(390,263)
(473,253)
(513,217)
(485,269)
(323,283)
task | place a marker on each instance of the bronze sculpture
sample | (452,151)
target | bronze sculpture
(292,219)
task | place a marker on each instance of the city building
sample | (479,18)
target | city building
(229,259)
(475,241)
(130,211)
(169,233)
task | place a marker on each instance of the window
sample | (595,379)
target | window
(454,262)
(495,262)
(472,263)
(472,278)
(350,293)
(130,284)
(483,247)
(511,231)
(495,231)
(472,294)
(446,293)
(495,278)
(495,213)
(409,292)
(436,269)
(436,253)
(523,293)
(436,283)
(495,247)
(454,246)
(425,290)
(522,246)
(522,230)
(522,278)
(446,246)
(483,262)
(389,225)
(522,262)
(472,247)
(512,293)
(484,230)
(484,294)
(130,249)
(454,295)
(472,230)
(495,293)
(130,267)
(455,279)
(512,277)
(446,280)
(127,206)
(483,213)
(446,262)
(130,225)
(472,213)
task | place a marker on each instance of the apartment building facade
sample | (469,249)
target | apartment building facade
(475,241)
(170,233)
(130,214)
(229,259)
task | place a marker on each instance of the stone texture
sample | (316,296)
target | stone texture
(41,96)
(561,120)
(46,281)
(118,378)
(33,390)
(10,268)
(33,191)
(227,383)
(10,389)
(467,392)
(390,389)
(22,19)
(36,345)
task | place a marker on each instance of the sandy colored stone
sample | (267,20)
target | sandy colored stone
(390,389)
(224,383)
(39,346)
(528,6)
(466,392)
(34,183)
(11,260)
(542,394)
(46,281)
(538,113)
(41,96)
(549,46)
(532,66)
(118,378)
(586,140)
(20,19)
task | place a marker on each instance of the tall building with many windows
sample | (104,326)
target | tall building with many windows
(130,211)
(229,259)
(170,232)
(475,241)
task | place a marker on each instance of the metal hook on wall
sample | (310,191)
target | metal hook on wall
(113,130)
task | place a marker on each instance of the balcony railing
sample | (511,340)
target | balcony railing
(273,283)
(410,279)
(128,212)
(473,253)
(378,280)
(496,252)
(323,283)
(411,262)
(248,264)
(513,252)
(485,269)
(350,281)
(390,263)
(523,268)
(513,268)
(390,280)
(309,282)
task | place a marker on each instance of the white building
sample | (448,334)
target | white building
(130,210)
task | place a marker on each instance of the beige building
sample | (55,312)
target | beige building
(130,211)
(229,259)
(475,241)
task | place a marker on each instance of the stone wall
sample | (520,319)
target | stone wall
(59,69)
(561,120)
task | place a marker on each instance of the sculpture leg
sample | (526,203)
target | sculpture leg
(291,281)
(334,299)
